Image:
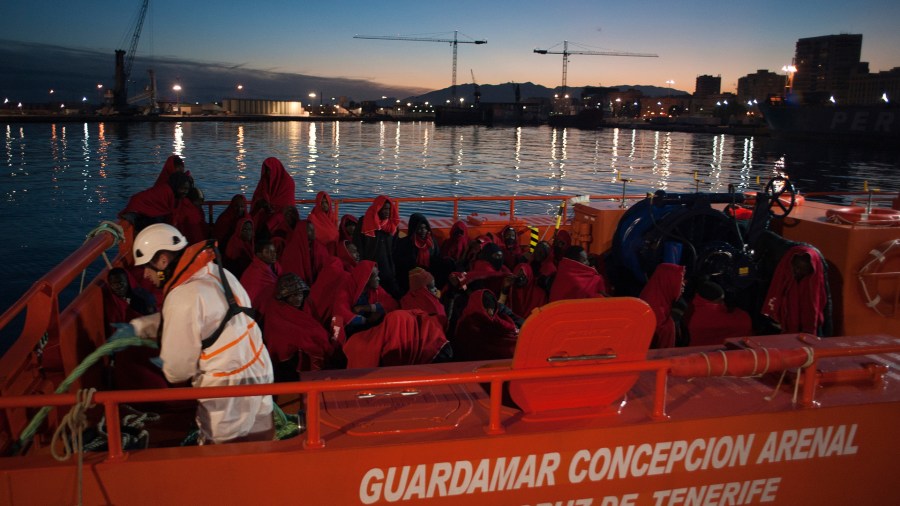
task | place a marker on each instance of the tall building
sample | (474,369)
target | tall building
(824,65)
(760,85)
(708,85)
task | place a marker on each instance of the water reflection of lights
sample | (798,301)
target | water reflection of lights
(614,156)
(336,142)
(312,146)
(518,153)
(241,159)
(746,164)
(178,144)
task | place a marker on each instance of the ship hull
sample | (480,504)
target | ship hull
(866,123)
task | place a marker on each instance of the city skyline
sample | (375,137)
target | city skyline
(697,37)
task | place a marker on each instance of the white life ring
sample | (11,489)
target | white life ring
(873,271)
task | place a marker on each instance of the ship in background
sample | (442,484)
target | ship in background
(831,95)
(869,123)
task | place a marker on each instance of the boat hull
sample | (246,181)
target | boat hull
(837,455)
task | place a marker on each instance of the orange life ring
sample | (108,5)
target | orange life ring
(883,264)
(878,216)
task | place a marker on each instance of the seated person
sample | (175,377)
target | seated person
(575,278)
(377,238)
(273,193)
(131,367)
(797,295)
(662,293)
(417,249)
(710,321)
(347,228)
(303,254)
(542,265)
(361,303)
(189,219)
(512,250)
(240,249)
(224,225)
(525,294)
(158,203)
(292,334)
(561,242)
(122,302)
(348,254)
(324,219)
(454,247)
(486,329)
(423,295)
(261,275)
(173,164)
(402,338)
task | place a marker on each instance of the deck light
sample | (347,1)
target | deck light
(884,97)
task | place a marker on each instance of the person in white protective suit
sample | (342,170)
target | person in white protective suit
(204,337)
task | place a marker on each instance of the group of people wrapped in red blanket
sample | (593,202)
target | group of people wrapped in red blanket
(354,292)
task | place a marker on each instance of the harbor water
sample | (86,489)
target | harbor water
(61,179)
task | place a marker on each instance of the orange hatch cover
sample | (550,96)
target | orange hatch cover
(580,332)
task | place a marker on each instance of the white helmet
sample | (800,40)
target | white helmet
(156,237)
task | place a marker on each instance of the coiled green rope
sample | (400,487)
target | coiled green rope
(105,349)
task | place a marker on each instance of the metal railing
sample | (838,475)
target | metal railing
(495,377)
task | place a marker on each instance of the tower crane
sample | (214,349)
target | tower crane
(454,42)
(125,61)
(565,54)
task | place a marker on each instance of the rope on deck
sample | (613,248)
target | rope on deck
(107,348)
(108,227)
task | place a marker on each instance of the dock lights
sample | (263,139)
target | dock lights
(791,70)
(177,90)
(240,87)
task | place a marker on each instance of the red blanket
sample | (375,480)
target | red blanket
(226,221)
(372,222)
(662,290)
(575,280)
(482,336)
(797,305)
(259,281)
(523,298)
(324,222)
(403,338)
(275,186)
(302,258)
(289,330)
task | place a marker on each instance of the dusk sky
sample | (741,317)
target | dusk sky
(691,37)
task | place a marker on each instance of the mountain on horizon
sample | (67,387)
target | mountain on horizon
(29,70)
(506,93)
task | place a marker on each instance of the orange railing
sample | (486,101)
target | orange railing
(496,377)
(42,307)
(511,200)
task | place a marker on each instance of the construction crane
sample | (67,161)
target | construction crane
(565,52)
(125,61)
(454,42)
(477,91)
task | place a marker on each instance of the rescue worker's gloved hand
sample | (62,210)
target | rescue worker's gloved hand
(123,330)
